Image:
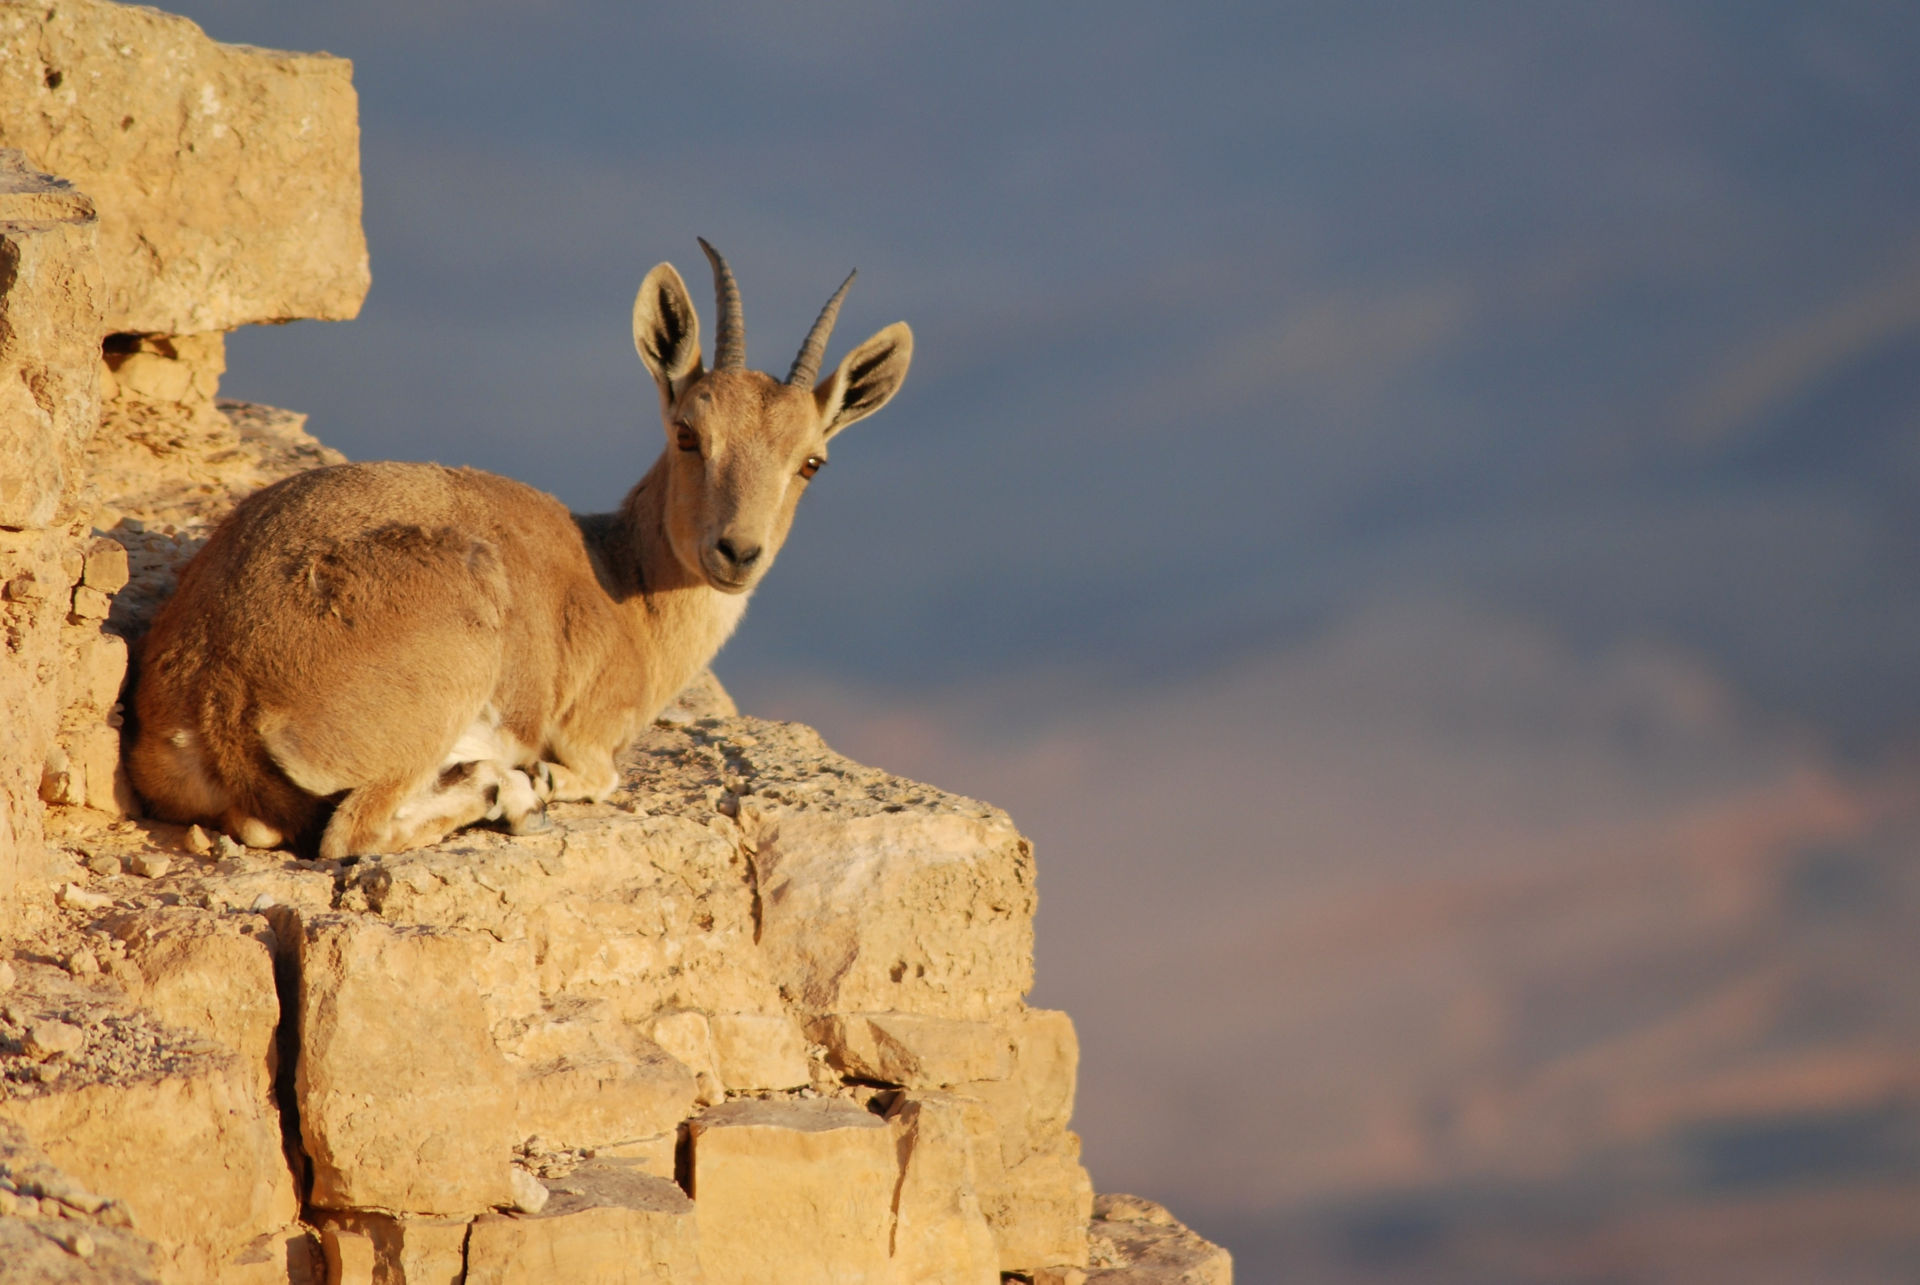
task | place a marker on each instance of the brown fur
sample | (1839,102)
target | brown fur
(431,646)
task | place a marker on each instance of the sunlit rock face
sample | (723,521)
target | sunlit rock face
(759,1016)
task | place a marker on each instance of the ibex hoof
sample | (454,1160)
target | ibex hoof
(534,822)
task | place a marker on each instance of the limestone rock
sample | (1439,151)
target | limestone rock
(35,1253)
(759,1051)
(227,178)
(51,305)
(200,971)
(601,1094)
(915,1051)
(605,1225)
(394,1251)
(656,1155)
(1039,1216)
(51,297)
(640,914)
(797,1191)
(1137,1242)
(704,697)
(875,893)
(912,912)
(406,1103)
(1034,1101)
(940,1234)
(687,1035)
(349,1256)
(201,1126)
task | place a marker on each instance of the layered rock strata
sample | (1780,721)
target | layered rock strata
(760,1016)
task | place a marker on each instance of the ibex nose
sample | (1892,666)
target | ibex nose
(738,557)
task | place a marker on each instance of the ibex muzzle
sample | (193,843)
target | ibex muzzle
(423,647)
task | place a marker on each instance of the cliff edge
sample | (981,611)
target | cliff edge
(759,1017)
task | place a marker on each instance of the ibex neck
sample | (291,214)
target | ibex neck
(631,549)
(678,620)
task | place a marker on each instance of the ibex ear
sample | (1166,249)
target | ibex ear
(866,379)
(666,330)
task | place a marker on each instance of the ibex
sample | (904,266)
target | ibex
(425,647)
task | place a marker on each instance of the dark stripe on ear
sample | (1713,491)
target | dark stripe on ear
(860,373)
(671,333)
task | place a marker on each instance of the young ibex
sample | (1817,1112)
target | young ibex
(426,647)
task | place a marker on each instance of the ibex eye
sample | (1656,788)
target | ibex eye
(685,438)
(812,466)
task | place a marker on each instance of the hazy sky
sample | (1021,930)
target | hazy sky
(1508,410)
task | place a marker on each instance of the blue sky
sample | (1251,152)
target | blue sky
(1552,369)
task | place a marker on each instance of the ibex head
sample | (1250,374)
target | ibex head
(741,444)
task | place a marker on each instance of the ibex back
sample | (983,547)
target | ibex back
(422,647)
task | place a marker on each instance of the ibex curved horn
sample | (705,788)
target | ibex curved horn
(807,365)
(730,335)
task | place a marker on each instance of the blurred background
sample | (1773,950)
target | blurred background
(1415,508)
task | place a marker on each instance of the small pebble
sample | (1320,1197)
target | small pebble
(74,897)
(7,976)
(83,963)
(530,1195)
(53,1038)
(79,1244)
(104,863)
(197,841)
(149,865)
(9,1203)
(225,848)
(51,1208)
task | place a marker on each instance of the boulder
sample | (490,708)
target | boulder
(793,1190)
(406,1102)
(227,178)
(1137,1242)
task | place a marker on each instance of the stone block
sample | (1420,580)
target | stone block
(96,776)
(1033,1103)
(227,178)
(920,912)
(913,1050)
(399,1251)
(198,970)
(51,299)
(638,914)
(793,1190)
(106,567)
(605,1224)
(203,1127)
(1039,1214)
(874,893)
(759,1051)
(940,1233)
(594,1097)
(406,1103)
(687,1036)
(349,1256)
(96,665)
